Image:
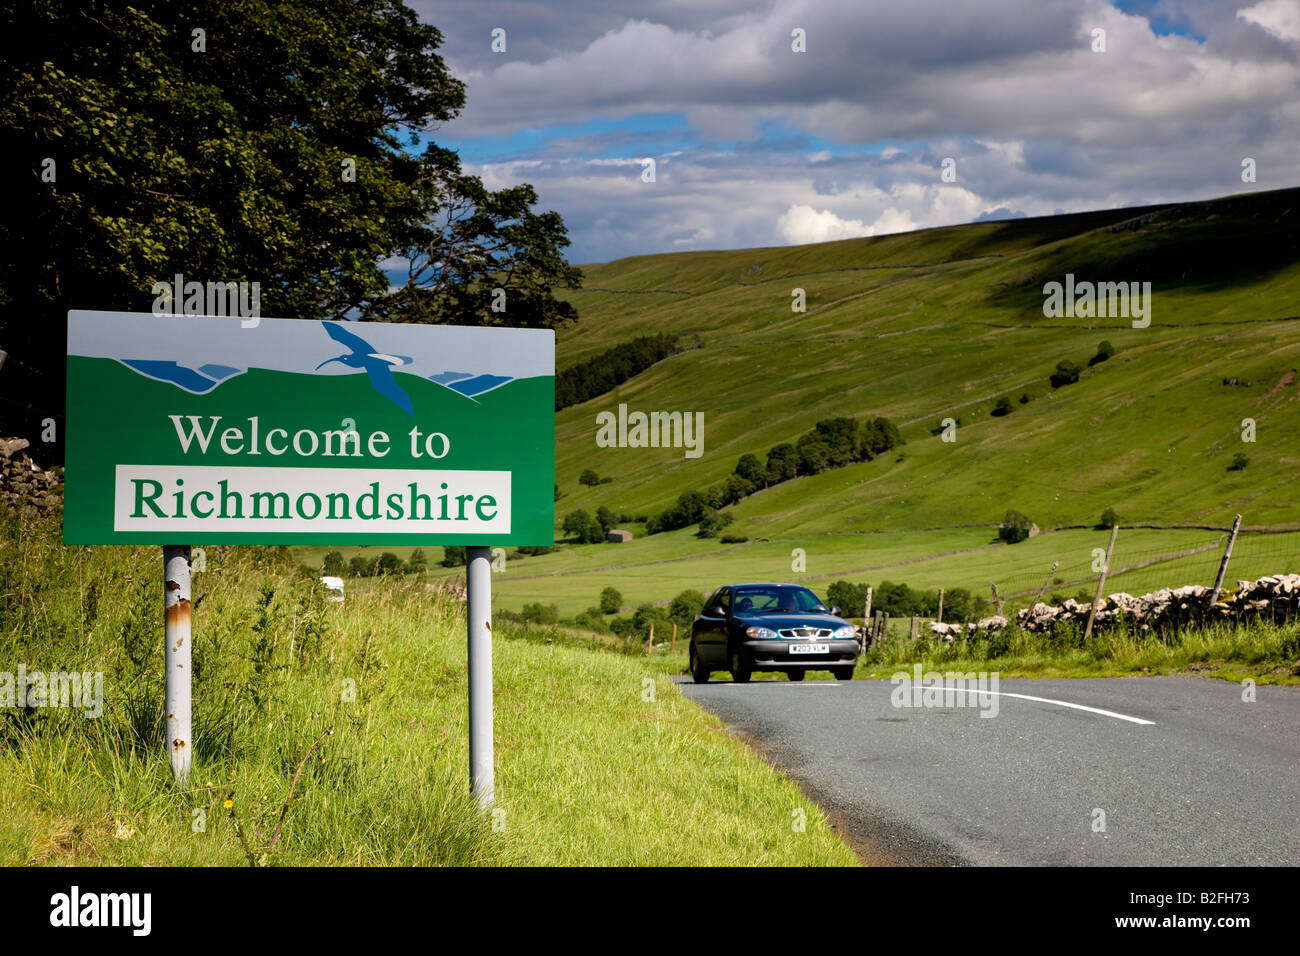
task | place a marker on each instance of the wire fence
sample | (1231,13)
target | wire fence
(1140,571)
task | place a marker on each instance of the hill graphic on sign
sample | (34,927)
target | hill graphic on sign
(361,356)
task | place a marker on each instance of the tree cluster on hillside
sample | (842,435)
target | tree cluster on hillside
(364,567)
(900,600)
(584,528)
(832,443)
(611,368)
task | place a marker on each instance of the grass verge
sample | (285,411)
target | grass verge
(336,734)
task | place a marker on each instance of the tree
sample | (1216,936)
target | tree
(1108,519)
(539,613)
(716,495)
(782,463)
(390,563)
(713,522)
(453,556)
(840,436)
(1003,407)
(959,605)
(1067,373)
(605,518)
(850,598)
(611,599)
(814,456)
(684,608)
(612,367)
(359,566)
(417,562)
(582,527)
(589,478)
(644,617)
(1015,527)
(752,470)
(737,488)
(1104,351)
(1239,462)
(333,564)
(878,436)
(284,153)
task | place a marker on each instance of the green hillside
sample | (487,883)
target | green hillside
(944,322)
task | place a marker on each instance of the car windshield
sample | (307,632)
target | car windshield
(776,598)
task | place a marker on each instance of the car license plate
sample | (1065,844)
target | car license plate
(810,649)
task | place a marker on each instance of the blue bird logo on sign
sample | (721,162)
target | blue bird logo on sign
(378,365)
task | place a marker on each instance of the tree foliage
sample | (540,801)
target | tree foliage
(231,164)
(612,367)
(611,599)
(1015,527)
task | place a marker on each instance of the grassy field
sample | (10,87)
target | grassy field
(945,321)
(599,759)
(936,323)
(654,569)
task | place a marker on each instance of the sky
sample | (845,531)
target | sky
(756,144)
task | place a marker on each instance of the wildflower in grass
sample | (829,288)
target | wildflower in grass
(228,804)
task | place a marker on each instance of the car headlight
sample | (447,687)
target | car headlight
(844,633)
(761,633)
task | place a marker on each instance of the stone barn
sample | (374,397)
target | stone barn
(618,536)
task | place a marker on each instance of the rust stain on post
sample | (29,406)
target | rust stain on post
(177,648)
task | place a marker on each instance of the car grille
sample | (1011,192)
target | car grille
(805,632)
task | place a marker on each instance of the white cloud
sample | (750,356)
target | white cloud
(1279,17)
(802,224)
(1010,88)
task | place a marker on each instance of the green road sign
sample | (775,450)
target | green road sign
(207,429)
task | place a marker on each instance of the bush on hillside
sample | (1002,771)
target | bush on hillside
(1015,527)
(1067,373)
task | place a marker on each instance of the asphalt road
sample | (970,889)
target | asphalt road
(1206,779)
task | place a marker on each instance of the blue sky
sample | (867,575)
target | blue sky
(756,143)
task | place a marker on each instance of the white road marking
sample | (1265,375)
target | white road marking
(1058,703)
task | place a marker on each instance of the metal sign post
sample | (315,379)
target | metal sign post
(177,657)
(478,588)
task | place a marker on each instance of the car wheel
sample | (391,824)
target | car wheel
(843,673)
(698,669)
(740,669)
(795,673)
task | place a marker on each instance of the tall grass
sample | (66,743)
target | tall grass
(336,733)
(1269,653)
(270,716)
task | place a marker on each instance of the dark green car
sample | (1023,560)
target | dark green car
(770,627)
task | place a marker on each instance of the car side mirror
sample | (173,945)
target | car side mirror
(718,611)
(835,610)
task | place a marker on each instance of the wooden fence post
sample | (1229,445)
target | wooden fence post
(1223,565)
(1101,581)
(650,642)
(940,617)
(672,647)
(997,601)
(1046,581)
